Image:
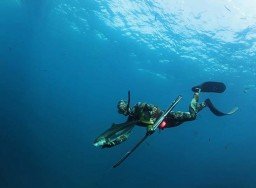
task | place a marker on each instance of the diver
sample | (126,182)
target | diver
(145,115)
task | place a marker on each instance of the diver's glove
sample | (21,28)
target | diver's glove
(150,130)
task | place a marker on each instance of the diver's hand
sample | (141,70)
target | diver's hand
(150,132)
(150,129)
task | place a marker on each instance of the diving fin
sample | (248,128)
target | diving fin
(215,111)
(215,87)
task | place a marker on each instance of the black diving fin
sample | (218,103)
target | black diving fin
(216,112)
(215,87)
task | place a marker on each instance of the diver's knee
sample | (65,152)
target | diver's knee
(193,117)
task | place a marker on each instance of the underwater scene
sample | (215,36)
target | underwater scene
(127,93)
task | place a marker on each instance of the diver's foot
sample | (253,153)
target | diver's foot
(197,90)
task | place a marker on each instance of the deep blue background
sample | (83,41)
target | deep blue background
(59,89)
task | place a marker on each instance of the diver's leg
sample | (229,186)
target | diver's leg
(180,116)
(176,118)
(194,106)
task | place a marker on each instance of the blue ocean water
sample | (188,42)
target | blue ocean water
(64,64)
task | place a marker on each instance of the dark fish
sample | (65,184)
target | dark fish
(113,133)
(227,8)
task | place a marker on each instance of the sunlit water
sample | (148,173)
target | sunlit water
(64,64)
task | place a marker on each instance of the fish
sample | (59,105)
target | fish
(113,133)
(227,8)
